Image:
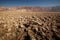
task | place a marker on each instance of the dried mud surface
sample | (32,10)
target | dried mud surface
(29,28)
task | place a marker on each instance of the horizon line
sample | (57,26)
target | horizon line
(27,6)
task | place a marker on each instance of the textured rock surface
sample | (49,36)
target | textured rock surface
(29,28)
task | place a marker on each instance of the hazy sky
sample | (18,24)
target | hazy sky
(29,2)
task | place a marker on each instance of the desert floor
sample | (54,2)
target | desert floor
(16,25)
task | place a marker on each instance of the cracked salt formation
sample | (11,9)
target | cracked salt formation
(28,28)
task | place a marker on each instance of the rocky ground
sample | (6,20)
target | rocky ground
(29,28)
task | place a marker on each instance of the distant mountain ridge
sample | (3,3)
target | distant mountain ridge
(33,9)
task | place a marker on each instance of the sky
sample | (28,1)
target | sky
(29,2)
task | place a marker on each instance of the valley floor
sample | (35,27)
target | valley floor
(16,25)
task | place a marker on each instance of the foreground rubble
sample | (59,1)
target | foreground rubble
(29,28)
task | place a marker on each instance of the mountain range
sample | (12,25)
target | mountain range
(32,9)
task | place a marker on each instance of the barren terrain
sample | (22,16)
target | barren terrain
(22,25)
